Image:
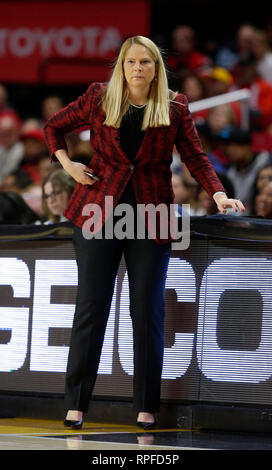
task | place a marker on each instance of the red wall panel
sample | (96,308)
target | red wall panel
(66,42)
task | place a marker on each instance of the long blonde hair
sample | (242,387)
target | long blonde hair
(115,101)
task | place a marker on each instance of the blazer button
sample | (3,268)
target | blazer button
(131,167)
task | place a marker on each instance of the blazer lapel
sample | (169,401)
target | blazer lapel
(144,143)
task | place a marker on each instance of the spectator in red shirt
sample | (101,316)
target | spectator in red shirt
(5,108)
(34,151)
(186,57)
(261,99)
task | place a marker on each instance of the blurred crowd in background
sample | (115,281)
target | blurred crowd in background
(34,190)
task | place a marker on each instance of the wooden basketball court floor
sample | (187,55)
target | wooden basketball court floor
(41,434)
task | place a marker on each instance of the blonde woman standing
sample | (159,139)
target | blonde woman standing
(135,121)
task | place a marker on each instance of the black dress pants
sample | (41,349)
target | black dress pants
(98,262)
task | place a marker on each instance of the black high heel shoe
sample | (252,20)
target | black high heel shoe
(147,425)
(73,423)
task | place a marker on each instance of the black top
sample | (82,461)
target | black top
(131,137)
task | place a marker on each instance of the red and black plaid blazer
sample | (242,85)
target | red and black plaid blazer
(150,172)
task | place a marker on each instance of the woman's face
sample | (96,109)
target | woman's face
(139,67)
(180,191)
(219,117)
(56,198)
(192,89)
(263,202)
(264,177)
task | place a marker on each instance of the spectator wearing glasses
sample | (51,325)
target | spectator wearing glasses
(57,189)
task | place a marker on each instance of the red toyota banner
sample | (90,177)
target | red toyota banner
(66,42)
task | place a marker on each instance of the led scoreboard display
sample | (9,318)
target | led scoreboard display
(218,325)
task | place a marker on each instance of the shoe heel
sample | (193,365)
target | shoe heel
(73,424)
